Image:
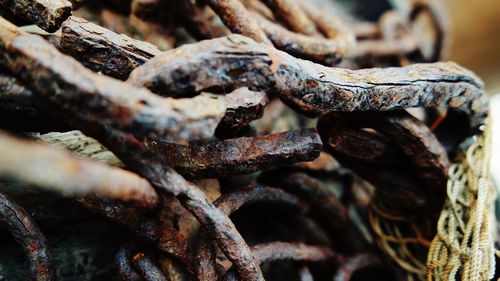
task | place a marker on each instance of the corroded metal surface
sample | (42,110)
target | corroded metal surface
(236,17)
(186,182)
(49,15)
(229,203)
(29,236)
(310,87)
(53,169)
(239,155)
(282,251)
(103,50)
(291,13)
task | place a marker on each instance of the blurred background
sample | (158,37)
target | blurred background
(476,45)
(476,38)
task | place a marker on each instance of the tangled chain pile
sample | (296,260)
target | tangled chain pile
(165,143)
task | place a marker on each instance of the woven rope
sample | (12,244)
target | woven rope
(463,248)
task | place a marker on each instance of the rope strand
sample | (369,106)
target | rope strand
(463,248)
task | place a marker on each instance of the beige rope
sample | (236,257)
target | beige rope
(463,248)
(406,249)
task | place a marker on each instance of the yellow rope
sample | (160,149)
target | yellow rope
(407,250)
(463,248)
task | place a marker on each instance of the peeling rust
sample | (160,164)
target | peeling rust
(309,87)
(48,15)
(240,155)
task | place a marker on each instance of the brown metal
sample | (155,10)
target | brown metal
(325,207)
(236,17)
(102,50)
(187,114)
(309,87)
(28,235)
(139,111)
(26,111)
(137,220)
(291,14)
(242,107)
(229,203)
(200,20)
(317,49)
(239,155)
(227,63)
(166,180)
(52,169)
(416,165)
(48,15)
(286,251)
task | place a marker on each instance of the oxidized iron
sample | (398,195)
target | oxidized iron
(166,145)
